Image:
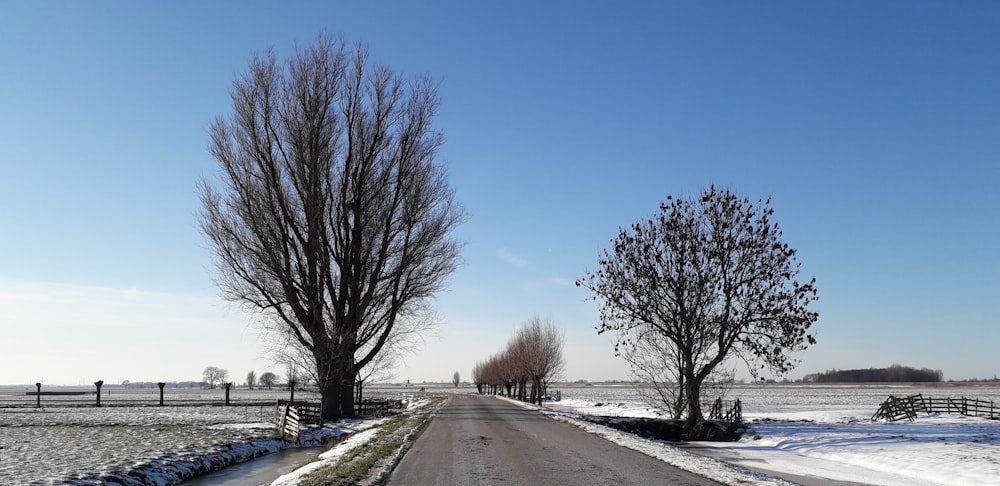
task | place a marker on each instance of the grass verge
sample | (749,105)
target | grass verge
(356,465)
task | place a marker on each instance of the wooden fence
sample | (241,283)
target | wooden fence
(376,407)
(288,422)
(898,408)
(730,412)
(291,416)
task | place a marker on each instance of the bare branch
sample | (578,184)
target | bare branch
(334,218)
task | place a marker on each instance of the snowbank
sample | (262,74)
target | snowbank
(841,443)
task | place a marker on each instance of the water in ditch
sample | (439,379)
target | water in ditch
(259,471)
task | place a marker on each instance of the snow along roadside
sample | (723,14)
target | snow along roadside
(425,410)
(707,467)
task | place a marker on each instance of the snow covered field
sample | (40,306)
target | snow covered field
(809,434)
(132,440)
(813,434)
(69,440)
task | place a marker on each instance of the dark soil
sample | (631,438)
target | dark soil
(672,430)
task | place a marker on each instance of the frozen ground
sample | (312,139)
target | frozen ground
(819,434)
(130,441)
(810,434)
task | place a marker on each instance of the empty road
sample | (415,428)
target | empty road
(481,440)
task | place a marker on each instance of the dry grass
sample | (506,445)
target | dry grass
(367,463)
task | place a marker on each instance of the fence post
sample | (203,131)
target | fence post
(161,385)
(99,384)
(38,397)
(228,386)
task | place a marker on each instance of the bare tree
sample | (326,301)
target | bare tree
(251,379)
(292,378)
(456,379)
(213,375)
(656,367)
(705,280)
(378,369)
(478,376)
(268,379)
(533,356)
(655,363)
(540,346)
(334,218)
(406,337)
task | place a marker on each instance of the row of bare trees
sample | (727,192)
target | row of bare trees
(533,356)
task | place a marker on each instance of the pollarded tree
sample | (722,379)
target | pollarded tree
(538,346)
(334,217)
(251,379)
(710,279)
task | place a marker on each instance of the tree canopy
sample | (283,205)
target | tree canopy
(705,280)
(214,375)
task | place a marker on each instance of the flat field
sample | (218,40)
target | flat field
(818,433)
(69,440)
(811,431)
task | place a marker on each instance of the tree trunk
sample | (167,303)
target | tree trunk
(680,404)
(331,401)
(347,395)
(693,396)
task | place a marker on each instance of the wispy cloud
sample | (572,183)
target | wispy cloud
(512,258)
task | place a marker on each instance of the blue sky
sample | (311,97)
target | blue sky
(874,127)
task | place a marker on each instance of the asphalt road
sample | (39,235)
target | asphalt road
(478,440)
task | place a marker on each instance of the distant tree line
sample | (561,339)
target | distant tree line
(892,374)
(153,384)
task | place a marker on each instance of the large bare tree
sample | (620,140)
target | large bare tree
(703,281)
(333,217)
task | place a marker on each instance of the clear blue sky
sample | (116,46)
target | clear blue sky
(874,126)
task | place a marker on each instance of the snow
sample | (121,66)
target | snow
(807,435)
(364,433)
(131,441)
(808,444)
(934,449)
